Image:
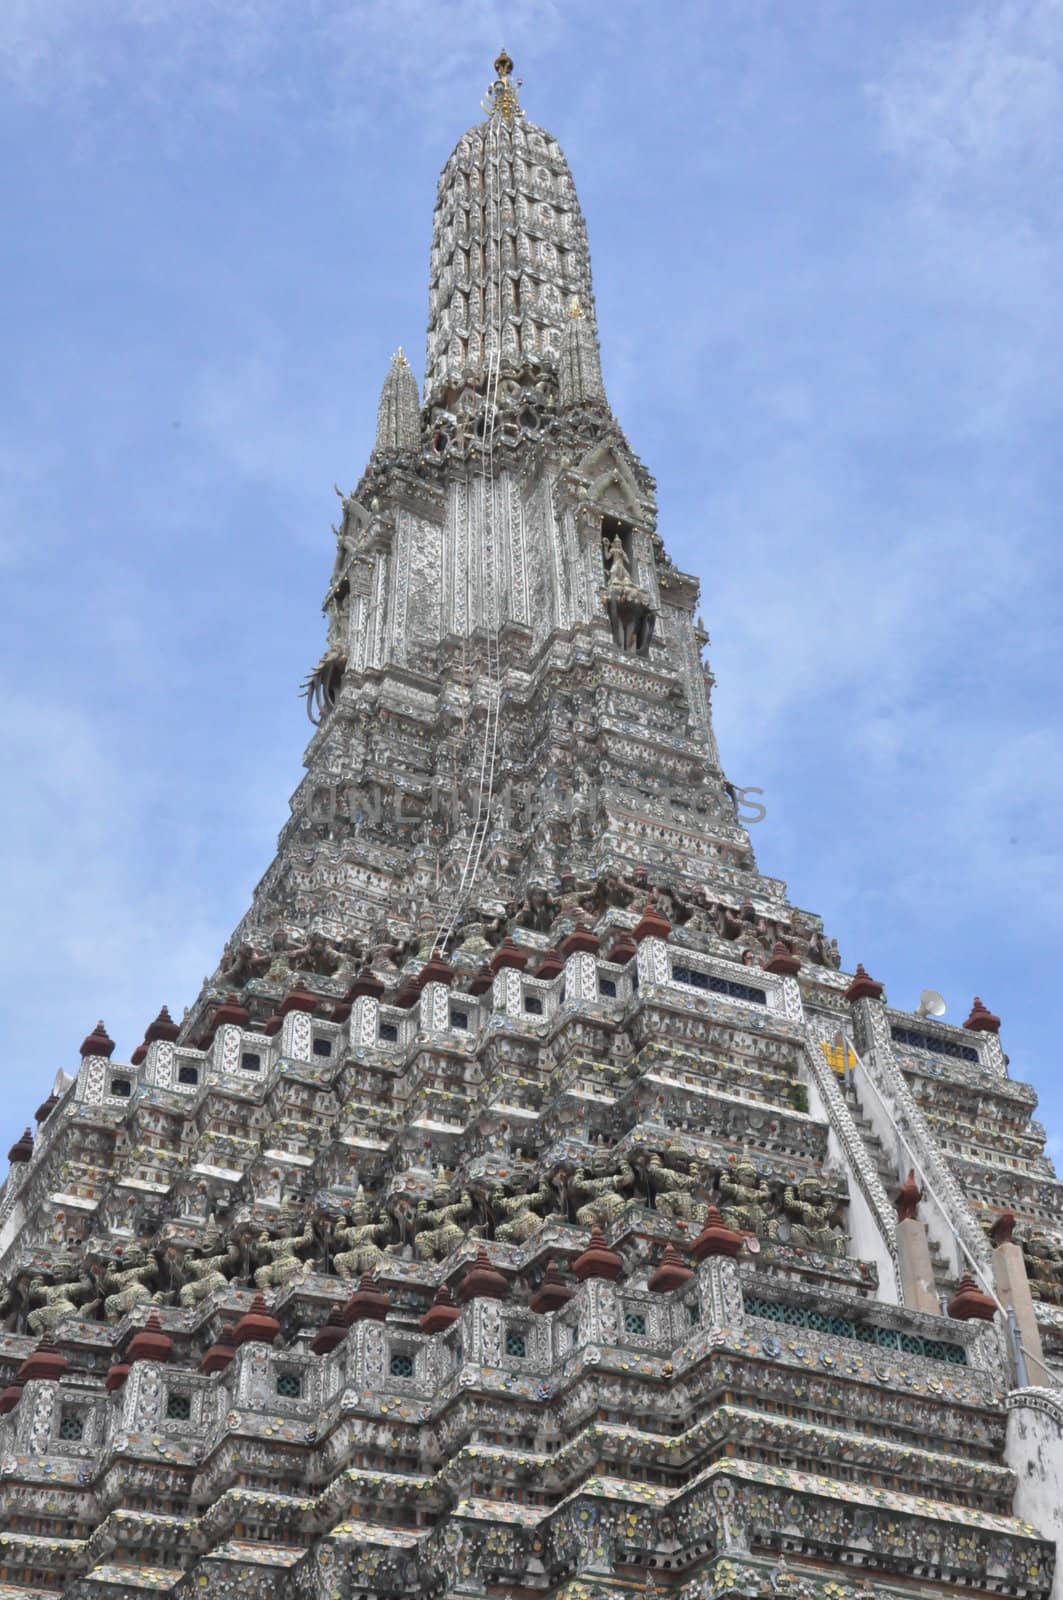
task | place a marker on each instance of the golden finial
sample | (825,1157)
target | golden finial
(575,311)
(502,95)
(399,358)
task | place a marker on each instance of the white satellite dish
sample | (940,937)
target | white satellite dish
(931,1004)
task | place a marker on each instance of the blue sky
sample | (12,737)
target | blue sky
(828,245)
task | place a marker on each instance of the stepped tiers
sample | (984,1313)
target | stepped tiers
(529,1204)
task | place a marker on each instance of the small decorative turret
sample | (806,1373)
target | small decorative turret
(398,418)
(368,1303)
(863,987)
(671,1273)
(552,1293)
(151,1343)
(442,1313)
(981,1019)
(332,1332)
(581,941)
(256,1326)
(716,1238)
(46,1362)
(782,961)
(969,1301)
(598,1261)
(218,1357)
(651,925)
(510,954)
(22,1149)
(580,369)
(98,1043)
(164,1027)
(298,999)
(231,1011)
(483,1281)
(908,1197)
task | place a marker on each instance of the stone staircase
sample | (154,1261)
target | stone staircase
(884,1166)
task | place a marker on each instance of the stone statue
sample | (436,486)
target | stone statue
(812,1211)
(316,955)
(75,1294)
(443,1227)
(239,966)
(205,1272)
(747,1201)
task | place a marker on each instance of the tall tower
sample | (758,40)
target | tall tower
(529,1204)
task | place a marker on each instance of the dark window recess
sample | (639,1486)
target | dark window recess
(927,1041)
(533,1004)
(178,1407)
(607,987)
(388,1032)
(865,1332)
(516,1345)
(634,1322)
(251,1062)
(71,1426)
(459,1019)
(322,1047)
(189,1076)
(121,1087)
(708,980)
(290,1385)
(401,1366)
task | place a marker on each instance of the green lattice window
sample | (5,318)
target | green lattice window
(634,1322)
(401,1366)
(516,1344)
(289,1385)
(866,1332)
(178,1407)
(71,1425)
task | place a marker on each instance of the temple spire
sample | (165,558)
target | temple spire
(502,95)
(580,367)
(398,418)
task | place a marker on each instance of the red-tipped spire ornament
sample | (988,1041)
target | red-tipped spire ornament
(671,1273)
(863,987)
(981,1019)
(969,1302)
(441,1314)
(256,1326)
(97,1043)
(598,1260)
(483,1281)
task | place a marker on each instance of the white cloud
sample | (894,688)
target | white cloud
(971,101)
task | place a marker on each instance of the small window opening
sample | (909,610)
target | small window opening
(322,1047)
(401,1366)
(289,1385)
(71,1425)
(121,1087)
(516,1344)
(533,1005)
(189,1076)
(389,1033)
(251,1062)
(178,1407)
(459,1019)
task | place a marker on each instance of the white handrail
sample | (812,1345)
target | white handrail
(917,1165)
